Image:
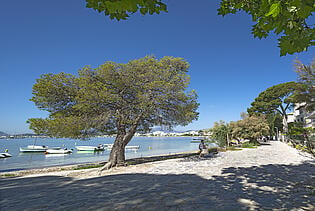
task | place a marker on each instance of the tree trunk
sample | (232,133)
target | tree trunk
(117,154)
(285,125)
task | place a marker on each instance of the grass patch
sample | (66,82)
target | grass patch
(213,149)
(8,175)
(248,145)
(233,149)
(87,167)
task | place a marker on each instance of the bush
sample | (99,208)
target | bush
(233,148)
(248,145)
(213,149)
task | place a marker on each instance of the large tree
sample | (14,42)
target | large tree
(117,99)
(278,98)
(306,92)
(252,128)
(221,133)
(289,19)
(274,121)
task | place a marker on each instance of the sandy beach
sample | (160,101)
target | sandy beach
(270,177)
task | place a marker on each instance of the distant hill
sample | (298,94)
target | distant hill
(3,134)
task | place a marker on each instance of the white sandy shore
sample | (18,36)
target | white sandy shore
(273,176)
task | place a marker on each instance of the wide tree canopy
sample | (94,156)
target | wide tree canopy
(289,19)
(278,98)
(115,98)
(252,128)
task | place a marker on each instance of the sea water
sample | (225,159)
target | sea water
(148,146)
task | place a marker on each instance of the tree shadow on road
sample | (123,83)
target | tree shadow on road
(264,187)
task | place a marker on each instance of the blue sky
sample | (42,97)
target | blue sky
(229,67)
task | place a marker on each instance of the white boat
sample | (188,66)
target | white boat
(110,146)
(132,147)
(33,148)
(36,147)
(58,151)
(5,155)
(90,148)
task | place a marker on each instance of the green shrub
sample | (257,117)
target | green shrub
(213,149)
(298,146)
(248,145)
(88,167)
(233,149)
(8,175)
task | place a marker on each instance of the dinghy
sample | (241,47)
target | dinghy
(90,148)
(58,151)
(5,155)
(110,146)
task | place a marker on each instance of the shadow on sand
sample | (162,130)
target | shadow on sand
(284,187)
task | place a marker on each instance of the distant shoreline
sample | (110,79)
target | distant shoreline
(40,136)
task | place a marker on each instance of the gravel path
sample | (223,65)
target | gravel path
(271,177)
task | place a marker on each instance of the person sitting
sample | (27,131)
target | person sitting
(203,149)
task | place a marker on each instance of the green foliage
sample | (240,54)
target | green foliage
(249,145)
(7,175)
(296,128)
(274,121)
(219,133)
(306,92)
(301,147)
(87,167)
(286,18)
(250,128)
(115,98)
(276,99)
(233,148)
(213,150)
(121,9)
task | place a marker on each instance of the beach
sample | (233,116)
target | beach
(270,177)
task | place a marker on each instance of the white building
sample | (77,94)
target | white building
(159,133)
(299,114)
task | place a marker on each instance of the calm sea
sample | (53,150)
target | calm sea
(148,146)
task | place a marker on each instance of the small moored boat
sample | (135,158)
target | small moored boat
(5,155)
(37,147)
(90,148)
(33,148)
(110,146)
(58,151)
(132,147)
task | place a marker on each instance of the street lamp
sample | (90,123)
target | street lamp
(277,132)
